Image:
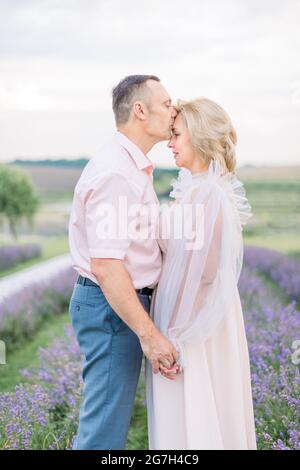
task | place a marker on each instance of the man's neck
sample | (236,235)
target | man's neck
(144,142)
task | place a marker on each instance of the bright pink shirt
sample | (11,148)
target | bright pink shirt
(120,174)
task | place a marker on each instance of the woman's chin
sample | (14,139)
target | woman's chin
(178,163)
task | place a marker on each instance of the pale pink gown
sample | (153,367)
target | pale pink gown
(197,306)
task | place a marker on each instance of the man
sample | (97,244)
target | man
(110,303)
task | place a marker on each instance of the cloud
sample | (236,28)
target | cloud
(59,61)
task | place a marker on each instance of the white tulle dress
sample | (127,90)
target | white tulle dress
(197,306)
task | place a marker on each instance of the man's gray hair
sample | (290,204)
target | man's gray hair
(127,91)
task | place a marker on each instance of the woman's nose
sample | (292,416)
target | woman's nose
(170,143)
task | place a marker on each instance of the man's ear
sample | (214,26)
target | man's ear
(139,110)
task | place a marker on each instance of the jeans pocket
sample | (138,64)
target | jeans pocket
(90,318)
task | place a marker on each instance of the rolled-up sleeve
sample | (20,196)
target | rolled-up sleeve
(106,211)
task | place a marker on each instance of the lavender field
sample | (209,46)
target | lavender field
(22,314)
(10,256)
(43,412)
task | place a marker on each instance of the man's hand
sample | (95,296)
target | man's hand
(118,289)
(158,349)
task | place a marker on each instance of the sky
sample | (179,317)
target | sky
(59,60)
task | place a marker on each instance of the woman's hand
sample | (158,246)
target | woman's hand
(170,373)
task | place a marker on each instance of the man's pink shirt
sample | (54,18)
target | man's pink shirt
(120,170)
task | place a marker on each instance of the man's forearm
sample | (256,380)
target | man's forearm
(119,291)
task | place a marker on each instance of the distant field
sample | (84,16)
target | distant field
(49,179)
(54,182)
(282,173)
(274,194)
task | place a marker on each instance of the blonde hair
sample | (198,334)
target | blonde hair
(212,133)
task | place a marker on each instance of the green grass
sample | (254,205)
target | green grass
(288,243)
(275,205)
(51,247)
(27,358)
(276,215)
(27,355)
(55,246)
(138,432)
(56,197)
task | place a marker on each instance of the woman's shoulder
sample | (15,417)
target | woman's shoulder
(235,192)
(200,185)
(213,184)
(186,184)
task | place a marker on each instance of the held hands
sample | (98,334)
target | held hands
(172,372)
(161,353)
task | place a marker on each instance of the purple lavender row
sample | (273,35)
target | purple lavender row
(29,416)
(272,328)
(282,269)
(43,414)
(10,256)
(21,314)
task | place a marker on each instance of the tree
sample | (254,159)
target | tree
(18,197)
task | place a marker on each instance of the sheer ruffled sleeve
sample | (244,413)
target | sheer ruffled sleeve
(201,269)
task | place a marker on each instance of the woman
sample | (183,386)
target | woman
(208,402)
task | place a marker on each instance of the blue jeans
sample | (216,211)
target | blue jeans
(111,369)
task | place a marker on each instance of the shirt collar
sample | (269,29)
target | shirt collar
(139,158)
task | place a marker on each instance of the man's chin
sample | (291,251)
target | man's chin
(163,137)
(168,135)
